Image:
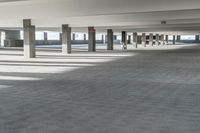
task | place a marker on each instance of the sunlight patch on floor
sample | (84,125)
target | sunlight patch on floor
(34,69)
(4,86)
(19,78)
(50,61)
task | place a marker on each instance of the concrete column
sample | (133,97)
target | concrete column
(167,39)
(144,39)
(45,38)
(124,39)
(135,39)
(29,39)
(102,38)
(66,39)
(178,38)
(174,39)
(60,38)
(105,39)
(74,36)
(12,34)
(114,37)
(197,38)
(129,39)
(110,39)
(85,38)
(151,39)
(1,44)
(12,38)
(92,39)
(0,39)
(162,39)
(157,40)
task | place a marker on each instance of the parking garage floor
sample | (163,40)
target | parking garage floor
(145,90)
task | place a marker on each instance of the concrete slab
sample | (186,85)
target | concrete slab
(144,90)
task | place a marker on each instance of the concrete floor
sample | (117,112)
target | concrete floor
(148,90)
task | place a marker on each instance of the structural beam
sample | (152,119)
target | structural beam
(110,39)
(66,39)
(29,39)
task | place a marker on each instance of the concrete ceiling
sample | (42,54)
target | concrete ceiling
(182,16)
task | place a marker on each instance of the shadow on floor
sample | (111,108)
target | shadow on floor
(154,91)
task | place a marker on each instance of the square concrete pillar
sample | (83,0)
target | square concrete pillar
(135,39)
(60,38)
(144,39)
(162,40)
(12,34)
(66,39)
(114,37)
(0,39)
(129,39)
(178,38)
(151,39)
(106,39)
(197,37)
(45,38)
(167,39)
(85,37)
(29,39)
(157,40)
(174,39)
(102,38)
(12,38)
(110,39)
(91,39)
(124,40)
(73,36)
